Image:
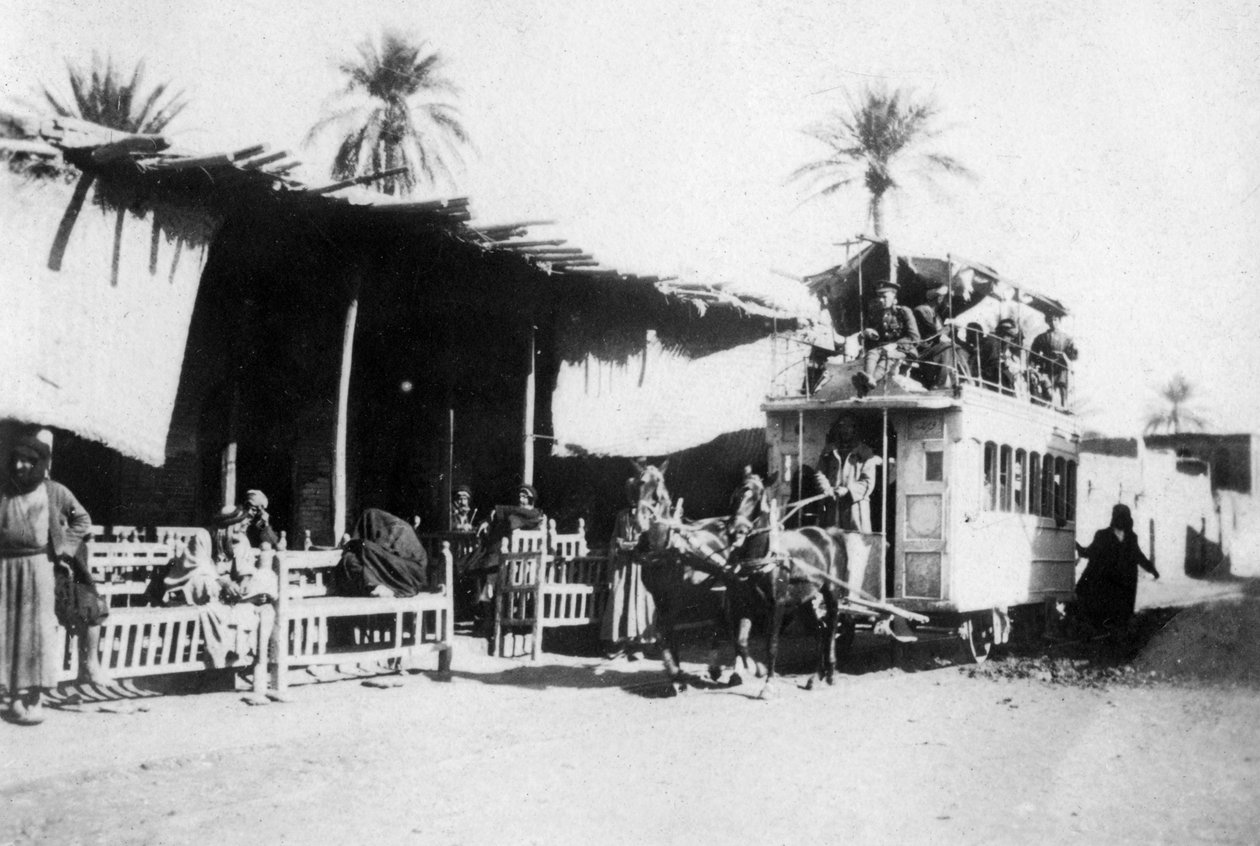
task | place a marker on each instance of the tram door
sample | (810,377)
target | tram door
(919,571)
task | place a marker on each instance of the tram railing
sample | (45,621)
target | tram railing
(983,359)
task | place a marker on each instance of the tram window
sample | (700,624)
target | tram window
(1004,479)
(933,465)
(1060,489)
(990,475)
(1018,490)
(1034,483)
(1071,491)
(1047,486)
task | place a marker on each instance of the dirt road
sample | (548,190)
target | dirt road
(583,751)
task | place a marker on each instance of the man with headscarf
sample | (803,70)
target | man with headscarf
(462,514)
(1106,593)
(846,475)
(258,528)
(44,578)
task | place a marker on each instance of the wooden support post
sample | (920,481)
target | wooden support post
(227,474)
(343,409)
(448,481)
(527,471)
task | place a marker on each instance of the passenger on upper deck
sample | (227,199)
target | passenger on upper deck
(937,352)
(890,334)
(846,475)
(1001,365)
(1052,350)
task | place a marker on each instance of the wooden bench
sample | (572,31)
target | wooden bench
(137,642)
(540,588)
(122,570)
(375,628)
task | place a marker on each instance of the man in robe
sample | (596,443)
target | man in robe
(846,474)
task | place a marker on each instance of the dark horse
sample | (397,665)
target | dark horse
(782,573)
(684,568)
(685,562)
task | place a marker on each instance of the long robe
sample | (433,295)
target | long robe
(630,611)
(851,472)
(1107,590)
(384,552)
(37,528)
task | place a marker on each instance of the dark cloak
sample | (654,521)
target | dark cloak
(384,551)
(1107,590)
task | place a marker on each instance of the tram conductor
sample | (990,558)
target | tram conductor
(846,476)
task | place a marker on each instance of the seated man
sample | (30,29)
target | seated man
(462,513)
(504,520)
(891,334)
(937,351)
(1052,350)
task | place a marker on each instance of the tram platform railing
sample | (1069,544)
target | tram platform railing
(1006,367)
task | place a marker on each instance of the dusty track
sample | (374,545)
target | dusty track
(577,751)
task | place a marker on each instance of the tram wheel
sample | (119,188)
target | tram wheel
(844,637)
(977,633)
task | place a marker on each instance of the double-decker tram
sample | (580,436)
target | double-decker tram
(965,495)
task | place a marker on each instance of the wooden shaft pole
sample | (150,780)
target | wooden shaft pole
(527,471)
(343,410)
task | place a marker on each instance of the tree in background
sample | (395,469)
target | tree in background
(106,95)
(390,114)
(1176,414)
(881,139)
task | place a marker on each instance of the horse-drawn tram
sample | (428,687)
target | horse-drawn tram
(947,454)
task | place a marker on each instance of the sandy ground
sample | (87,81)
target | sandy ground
(578,750)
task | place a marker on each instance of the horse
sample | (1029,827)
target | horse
(804,565)
(684,569)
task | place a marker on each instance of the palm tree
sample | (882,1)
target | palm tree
(105,95)
(390,115)
(880,139)
(1176,416)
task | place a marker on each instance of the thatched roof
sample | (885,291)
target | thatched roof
(110,291)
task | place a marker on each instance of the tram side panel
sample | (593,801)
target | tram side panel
(1012,539)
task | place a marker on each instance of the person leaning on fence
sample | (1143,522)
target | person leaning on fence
(890,335)
(937,352)
(44,578)
(627,625)
(1000,362)
(1052,350)
(1106,593)
(504,520)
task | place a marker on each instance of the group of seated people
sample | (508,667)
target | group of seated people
(895,335)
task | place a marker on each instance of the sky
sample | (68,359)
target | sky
(1116,145)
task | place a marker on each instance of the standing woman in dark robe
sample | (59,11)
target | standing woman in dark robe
(42,526)
(1107,590)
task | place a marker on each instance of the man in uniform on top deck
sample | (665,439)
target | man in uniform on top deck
(890,335)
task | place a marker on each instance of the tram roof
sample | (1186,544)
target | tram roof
(845,286)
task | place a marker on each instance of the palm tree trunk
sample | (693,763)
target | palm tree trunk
(877,214)
(62,238)
(117,257)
